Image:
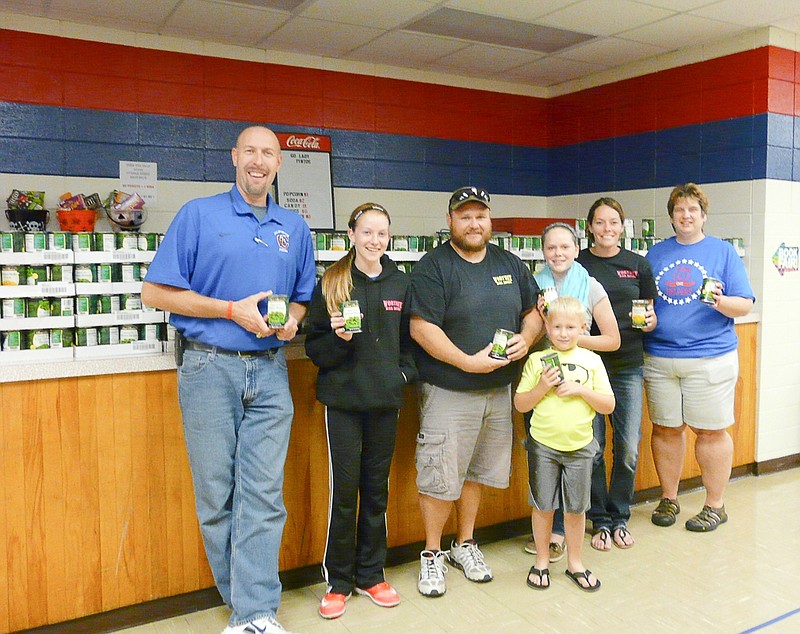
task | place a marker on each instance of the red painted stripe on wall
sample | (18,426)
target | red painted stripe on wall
(50,70)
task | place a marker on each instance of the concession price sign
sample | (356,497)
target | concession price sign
(304,181)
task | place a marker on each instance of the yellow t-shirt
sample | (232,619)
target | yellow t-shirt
(565,424)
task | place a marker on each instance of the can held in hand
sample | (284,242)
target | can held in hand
(638,312)
(552,360)
(710,284)
(500,343)
(277,310)
(549,294)
(352,316)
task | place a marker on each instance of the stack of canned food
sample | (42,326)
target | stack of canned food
(15,340)
(113,335)
(115,241)
(106,272)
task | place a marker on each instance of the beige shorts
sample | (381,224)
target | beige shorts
(698,392)
(463,436)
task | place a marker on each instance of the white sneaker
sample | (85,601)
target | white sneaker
(431,581)
(469,558)
(264,625)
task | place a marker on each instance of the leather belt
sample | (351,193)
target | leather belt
(190,344)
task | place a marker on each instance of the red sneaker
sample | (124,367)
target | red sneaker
(332,605)
(382,594)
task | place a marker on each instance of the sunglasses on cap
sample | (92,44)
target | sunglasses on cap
(467,194)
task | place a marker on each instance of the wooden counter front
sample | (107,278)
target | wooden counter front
(97,504)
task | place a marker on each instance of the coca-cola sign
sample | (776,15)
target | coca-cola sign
(306,142)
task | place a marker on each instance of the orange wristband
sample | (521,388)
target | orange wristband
(229,314)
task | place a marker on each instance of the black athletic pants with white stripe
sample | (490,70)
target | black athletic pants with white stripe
(360,448)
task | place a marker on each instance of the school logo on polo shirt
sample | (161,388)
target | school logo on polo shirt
(282,238)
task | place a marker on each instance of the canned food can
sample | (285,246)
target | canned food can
(12,341)
(148,241)
(104,273)
(85,273)
(400,243)
(552,360)
(105,242)
(148,332)
(130,302)
(128,334)
(86,305)
(277,310)
(143,268)
(638,311)
(85,337)
(62,306)
(710,284)
(56,339)
(35,274)
(516,243)
(67,337)
(549,294)
(38,340)
(59,241)
(129,272)
(648,227)
(61,273)
(352,316)
(13,307)
(108,335)
(414,244)
(339,242)
(500,343)
(35,241)
(322,241)
(12,242)
(127,241)
(12,275)
(37,307)
(82,241)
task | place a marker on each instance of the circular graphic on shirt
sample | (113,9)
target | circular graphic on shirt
(681,281)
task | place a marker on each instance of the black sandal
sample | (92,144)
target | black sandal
(605,539)
(577,576)
(619,534)
(542,574)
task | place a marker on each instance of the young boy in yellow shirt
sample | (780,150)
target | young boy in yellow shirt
(561,446)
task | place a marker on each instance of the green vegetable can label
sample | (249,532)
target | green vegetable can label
(12,341)
(277,310)
(500,343)
(352,316)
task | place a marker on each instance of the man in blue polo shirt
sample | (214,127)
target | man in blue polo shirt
(220,259)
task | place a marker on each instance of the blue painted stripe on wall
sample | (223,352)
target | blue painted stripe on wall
(74,142)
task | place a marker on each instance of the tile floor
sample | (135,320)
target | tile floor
(742,577)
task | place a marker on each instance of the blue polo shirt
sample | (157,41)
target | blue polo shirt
(217,247)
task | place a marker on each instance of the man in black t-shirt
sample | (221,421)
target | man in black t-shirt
(461,292)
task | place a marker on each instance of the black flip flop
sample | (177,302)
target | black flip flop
(619,533)
(605,539)
(577,576)
(542,574)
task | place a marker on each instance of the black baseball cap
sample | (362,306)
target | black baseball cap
(464,195)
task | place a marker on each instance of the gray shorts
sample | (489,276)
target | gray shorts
(569,473)
(463,436)
(698,392)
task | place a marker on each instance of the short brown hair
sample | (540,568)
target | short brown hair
(608,202)
(689,190)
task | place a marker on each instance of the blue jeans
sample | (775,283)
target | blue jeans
(611,504)
(237,417)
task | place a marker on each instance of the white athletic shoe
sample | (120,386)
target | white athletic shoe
(469,558)
(431,581)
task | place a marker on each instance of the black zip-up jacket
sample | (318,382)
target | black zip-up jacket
(368,371)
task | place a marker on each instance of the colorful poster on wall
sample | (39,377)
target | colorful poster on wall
(304,181)
(786,258)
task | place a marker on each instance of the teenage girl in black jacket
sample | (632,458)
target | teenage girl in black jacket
(360,381)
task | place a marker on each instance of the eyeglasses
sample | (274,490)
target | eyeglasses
(465,194)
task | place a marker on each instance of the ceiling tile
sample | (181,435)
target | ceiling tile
(681,30)
(750,13)
(283,5)
(551,71)
(604,17)
(611,51)
(678,5)
(318,37)
(523,10)
(153,13)
(499,31)
(223,22)
(484,60)
(389,15)
(414,49)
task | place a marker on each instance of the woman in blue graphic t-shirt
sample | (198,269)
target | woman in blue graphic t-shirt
(691,357)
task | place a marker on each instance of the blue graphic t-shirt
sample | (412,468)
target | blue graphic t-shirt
(688,328)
